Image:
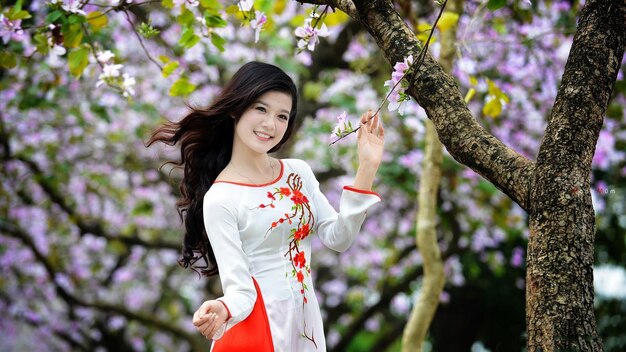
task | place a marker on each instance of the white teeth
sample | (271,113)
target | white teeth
(263,135)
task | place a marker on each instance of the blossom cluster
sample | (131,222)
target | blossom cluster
(398,85)
(309,33)
(111,74)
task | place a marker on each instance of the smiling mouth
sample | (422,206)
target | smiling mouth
(263,135)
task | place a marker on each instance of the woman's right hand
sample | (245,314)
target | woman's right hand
(210,317)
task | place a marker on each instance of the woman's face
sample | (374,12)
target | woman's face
(263,124)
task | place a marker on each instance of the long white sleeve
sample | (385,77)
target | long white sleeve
(338,230)
(220,222)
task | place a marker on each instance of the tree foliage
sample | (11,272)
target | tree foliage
(89,235)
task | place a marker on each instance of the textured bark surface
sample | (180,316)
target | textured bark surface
(554,190)
(438,94)
(434,278)
(559,280)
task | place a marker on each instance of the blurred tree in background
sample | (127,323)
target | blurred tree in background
(89,234)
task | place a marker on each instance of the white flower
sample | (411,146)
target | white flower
(73,6)
(111,70)
(257,24)
(343,126)
(105,56)
(128,84)
(245,5)
(108,71)
(310,36)
(58,50)
(54,56)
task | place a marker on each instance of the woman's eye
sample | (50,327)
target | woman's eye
(260,108)
(283,117)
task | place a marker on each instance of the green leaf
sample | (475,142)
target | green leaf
(218,41)
(312,90)
(182,87)
(76,19)
(493,107)
(169,68)
(143,208)
(7,60)
(494,90)
(211,5)
(147,31)
(72,35)
(214,21)
(53,16)
(18,15)
(168,4)
(495,4)
(78,59)
(186,18)
(97,19)
(189,38)
(232,9)
(41,42)
(16,12)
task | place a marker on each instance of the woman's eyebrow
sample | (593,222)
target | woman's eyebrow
(266,104)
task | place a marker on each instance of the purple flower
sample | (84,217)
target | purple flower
(10,29)
(517,258)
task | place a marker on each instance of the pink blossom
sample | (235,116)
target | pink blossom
(10,29)
(310,35)
(397,95)
(257,24)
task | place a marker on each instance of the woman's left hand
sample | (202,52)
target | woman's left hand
(371,140)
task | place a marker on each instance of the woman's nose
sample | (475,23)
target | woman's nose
(268,121)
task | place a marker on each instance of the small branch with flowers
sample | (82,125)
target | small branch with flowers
(399,84)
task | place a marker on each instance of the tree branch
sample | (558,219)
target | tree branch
(437,93)
(346,6)
(71,299)
(91,226)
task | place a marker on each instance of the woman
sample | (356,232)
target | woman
(251,217)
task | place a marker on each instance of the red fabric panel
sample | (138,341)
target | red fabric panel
(251,334)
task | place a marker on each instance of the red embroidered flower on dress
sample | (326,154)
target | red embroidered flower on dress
(299,260)
(298,197)
(301,211)
(301,232)
(284,191)
(300,276)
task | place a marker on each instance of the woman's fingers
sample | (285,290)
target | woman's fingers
(210,330)
(209,326)
(375,123)
(201,313)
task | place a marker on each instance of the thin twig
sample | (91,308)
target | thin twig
(417,62)
(132,25)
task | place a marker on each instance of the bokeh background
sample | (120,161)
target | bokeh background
(89,233)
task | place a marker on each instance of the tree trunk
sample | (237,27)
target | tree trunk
(559,279)
(554,190)
(426,235)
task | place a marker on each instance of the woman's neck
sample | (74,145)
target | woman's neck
(252,168)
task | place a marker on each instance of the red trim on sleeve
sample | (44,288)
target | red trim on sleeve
(357,190)
(228,310)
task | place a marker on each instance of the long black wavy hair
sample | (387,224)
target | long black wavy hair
(205,137)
